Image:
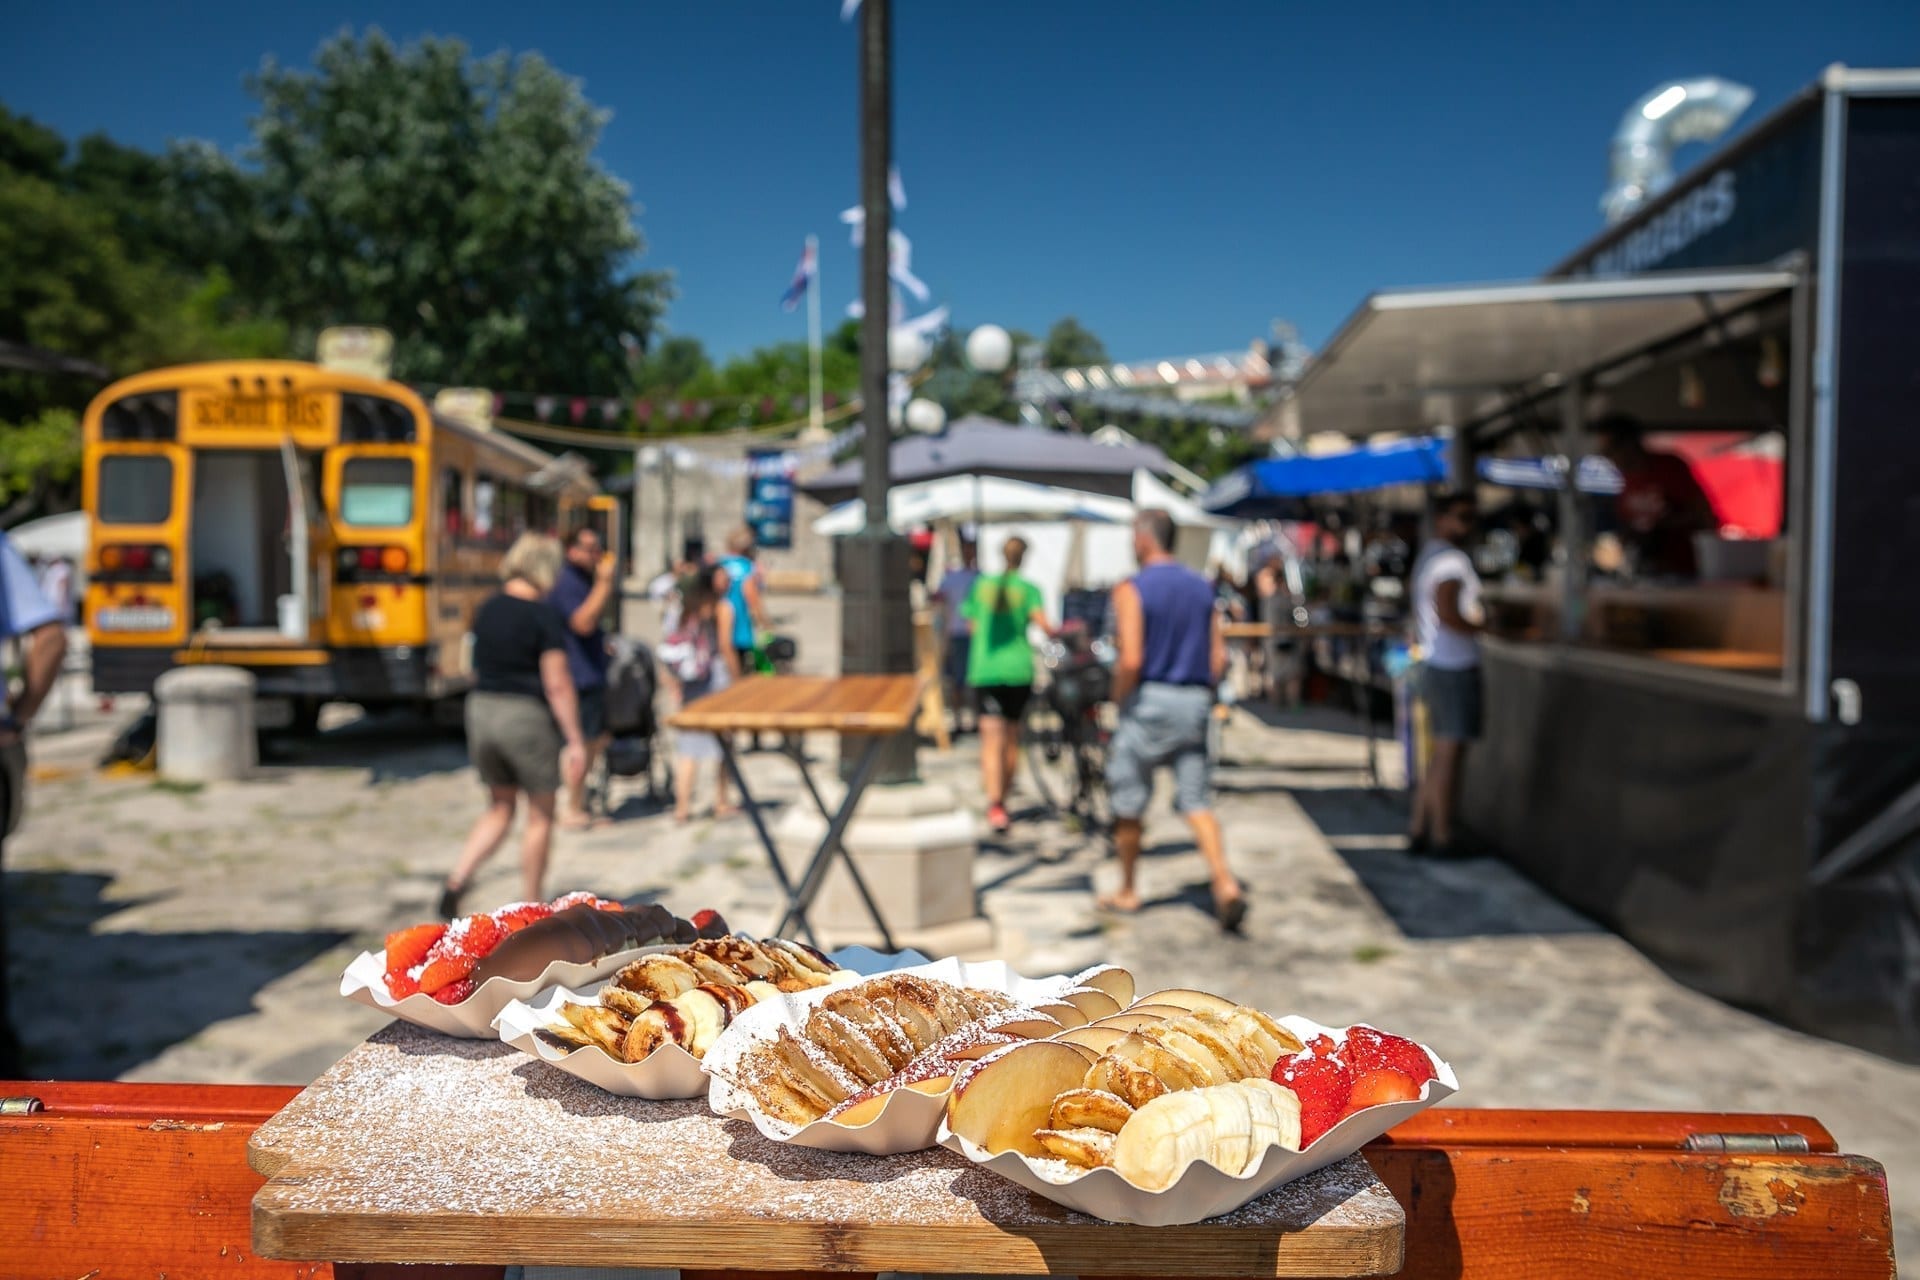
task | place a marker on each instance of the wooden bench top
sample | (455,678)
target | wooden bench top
(418,1148)
(1312,631)
(801,704)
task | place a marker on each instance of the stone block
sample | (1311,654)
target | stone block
(205,730)
(914,845)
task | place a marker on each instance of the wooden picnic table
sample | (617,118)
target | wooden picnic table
(874,707)
(536,1166)
(115,1179)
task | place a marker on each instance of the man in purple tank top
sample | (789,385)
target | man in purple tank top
(1172,654)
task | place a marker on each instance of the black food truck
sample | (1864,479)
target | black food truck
(1715,751)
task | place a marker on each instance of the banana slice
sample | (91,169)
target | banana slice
(1201,1064)
(1089,1109)
(1285,1113)
(1230,1127)
(1088,1148)
(1163,1138)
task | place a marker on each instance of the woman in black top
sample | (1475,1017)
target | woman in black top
(523,719)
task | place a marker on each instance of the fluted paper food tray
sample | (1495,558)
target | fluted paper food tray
(472,1019)
(1205,1190)
(908,1120)
(669,1071)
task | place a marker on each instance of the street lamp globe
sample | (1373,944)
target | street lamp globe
(906,350)
(925,416)
(989,348)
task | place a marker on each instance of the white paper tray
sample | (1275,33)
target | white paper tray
(909,1120)
(1204,1191)
(472,1019)
(667,1072)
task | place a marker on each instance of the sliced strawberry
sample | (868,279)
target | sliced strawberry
(408,947)
(1322,1046)
(402,984)
(704,916)
(1368,1048)
(521,914)
(1323,1086)
(445,970)
(608,904)
(1381,1084)
(578,898)
(455,992)
(481,936)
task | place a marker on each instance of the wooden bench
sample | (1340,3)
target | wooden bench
(114,1180)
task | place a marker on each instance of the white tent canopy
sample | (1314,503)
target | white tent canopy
(978,500)
(52,537)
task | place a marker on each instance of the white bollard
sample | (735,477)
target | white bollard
(205,731)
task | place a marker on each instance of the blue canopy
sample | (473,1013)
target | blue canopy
(1268,486)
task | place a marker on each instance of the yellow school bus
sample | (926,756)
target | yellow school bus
(327,531)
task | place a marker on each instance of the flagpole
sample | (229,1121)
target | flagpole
(816,411)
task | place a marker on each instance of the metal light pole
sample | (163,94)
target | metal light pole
(876,619)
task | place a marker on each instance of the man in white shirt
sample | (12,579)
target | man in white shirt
(1446,620)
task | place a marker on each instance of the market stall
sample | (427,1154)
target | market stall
(1703,737)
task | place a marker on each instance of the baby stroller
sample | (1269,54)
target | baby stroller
(632,681)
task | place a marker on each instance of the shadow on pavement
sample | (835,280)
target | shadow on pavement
(395,746)
(91,1005)
(1432,897)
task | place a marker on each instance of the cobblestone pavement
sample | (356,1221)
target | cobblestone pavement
(208,926)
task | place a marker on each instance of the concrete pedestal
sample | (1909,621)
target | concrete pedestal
(205,731)
(914,844)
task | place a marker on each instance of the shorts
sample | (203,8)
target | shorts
(1008,701)
(513,741)
(1452,698)
(1163,725)
(593,713)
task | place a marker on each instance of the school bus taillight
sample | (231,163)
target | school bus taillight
(372,562)
(135,562)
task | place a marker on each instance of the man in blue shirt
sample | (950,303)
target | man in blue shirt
(581,593)
(955,586)
(29,619)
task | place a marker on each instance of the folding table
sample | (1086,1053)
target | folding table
(870,707)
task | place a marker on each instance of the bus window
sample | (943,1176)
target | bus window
(376,491)
(135,489)
(486,492)
(452,510)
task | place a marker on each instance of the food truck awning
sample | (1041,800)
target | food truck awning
(1416,359)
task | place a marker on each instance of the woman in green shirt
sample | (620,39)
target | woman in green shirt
(1000,670)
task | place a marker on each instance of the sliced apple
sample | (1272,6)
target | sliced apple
(1094,1037)
(1060,1011)
(867,1110)
(1133,1019)
(1092,1002)
(1110,978)
(998,1105)
(1189,1000)
(1023,1024)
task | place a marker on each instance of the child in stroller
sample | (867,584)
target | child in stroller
(632,682)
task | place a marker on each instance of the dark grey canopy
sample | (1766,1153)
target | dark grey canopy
(986,447)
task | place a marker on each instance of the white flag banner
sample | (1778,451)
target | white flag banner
(900,266)
(927,323)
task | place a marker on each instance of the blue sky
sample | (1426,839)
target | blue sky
(1178,174)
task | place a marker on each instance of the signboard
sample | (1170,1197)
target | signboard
(770,497)
(1759,204)
(356,349)
(290,411)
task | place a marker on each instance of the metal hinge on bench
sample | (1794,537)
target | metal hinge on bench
(19,1106)
(1750,1144)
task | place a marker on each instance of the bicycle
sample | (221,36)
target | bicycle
(1066,739)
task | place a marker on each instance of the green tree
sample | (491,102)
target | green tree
(1069,345)
(456,201)
(673,364)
